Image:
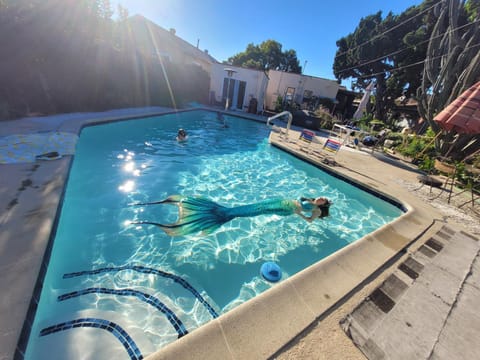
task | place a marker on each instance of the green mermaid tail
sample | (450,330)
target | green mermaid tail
(200,214)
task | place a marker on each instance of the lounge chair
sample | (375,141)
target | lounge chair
(329,150)
(306,138)
(332,146)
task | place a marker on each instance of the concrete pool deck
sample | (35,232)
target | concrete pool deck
(31,192)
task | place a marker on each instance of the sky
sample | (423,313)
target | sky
(226,27)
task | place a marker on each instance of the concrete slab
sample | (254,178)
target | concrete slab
(459,337)
(435,316)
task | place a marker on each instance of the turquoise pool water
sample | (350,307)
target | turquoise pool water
(145,289)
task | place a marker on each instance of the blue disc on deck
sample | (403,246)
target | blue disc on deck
(271,271)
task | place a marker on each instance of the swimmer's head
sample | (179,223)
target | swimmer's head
(321,201)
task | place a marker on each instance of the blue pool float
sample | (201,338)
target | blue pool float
(271,271)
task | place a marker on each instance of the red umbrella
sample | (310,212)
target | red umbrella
(463,114)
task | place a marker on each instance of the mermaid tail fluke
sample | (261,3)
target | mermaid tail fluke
(199,214)
(195,214)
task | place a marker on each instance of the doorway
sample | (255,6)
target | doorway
(236,92)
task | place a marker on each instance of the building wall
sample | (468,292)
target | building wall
(280,81)
(156,42)
(256,83)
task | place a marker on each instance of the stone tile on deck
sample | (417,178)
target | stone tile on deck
(435,317)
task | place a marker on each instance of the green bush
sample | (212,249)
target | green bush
(326,119)
(376,125)
(364,121)
(395,136)
(279,104)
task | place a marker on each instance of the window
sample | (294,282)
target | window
(289,93)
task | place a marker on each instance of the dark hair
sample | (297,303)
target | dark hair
(325,209)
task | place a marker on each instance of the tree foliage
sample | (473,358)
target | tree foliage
(359,55)
(430,51)
(452,65)
(267,55)
(70,55)
(388,51)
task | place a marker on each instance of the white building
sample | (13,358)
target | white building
(297,87)
(243,85)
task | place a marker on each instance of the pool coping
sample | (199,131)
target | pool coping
(253,329)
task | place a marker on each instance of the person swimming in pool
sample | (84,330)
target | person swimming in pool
(197,213)
(182,135)
(319,208)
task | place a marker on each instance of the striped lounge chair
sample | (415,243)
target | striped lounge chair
(329,150)
(306,138)
(332,146)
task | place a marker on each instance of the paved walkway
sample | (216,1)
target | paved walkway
(426,309)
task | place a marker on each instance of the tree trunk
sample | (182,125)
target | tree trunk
(380,97)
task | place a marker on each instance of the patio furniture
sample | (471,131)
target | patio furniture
(329,150)
(306,137)
(332,146)
(463,117)
(450,170)
(435,182)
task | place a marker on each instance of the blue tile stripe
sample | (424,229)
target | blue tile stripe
(149,299)
(147,270)
(127,342)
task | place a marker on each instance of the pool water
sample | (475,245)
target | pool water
(145,288)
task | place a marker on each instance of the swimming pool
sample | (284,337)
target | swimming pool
(148,289)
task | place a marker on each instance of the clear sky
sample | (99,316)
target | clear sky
(226,27)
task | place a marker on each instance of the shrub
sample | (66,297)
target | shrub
(279,104)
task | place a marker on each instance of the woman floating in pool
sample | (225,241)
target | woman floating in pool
(319,208)
(200,214)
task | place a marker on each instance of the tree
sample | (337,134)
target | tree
(267,55)
(69,55)
(452,65)
(412,39)
(361,55)
(122,13)
(388,51)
